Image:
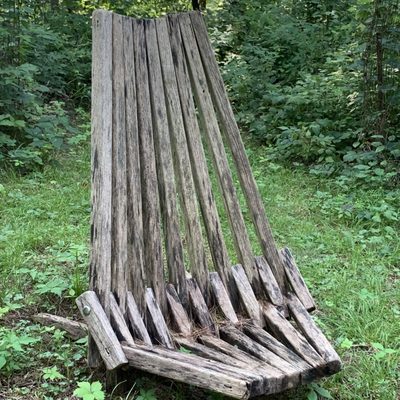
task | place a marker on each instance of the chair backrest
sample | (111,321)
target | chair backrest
(158,107)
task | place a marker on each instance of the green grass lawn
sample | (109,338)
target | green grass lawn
(345,240)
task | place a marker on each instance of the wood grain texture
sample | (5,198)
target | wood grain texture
(201,177)
(157,320)
(135,318)
(269,282)
(284,330)
(119,195)
(296,280)
(179,315)
(314,334)
(118,322)
(213,137)
(101,330)
(230,128)
(222,298)
(180,152)
(165,168)
(199,307)
(135,274)
(153,260)
(247,295)
(74,329)
(101,161)
(187,370)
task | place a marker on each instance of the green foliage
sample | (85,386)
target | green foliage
(147,394)
(89,391)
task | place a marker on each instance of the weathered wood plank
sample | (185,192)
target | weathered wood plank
(75,330)
(157,319)
(165,168)
(101,330)
(313,334)
(222,298)
(135,275)
(119,206)
(268,280)
(231,130)
(285,331)
(180,317)
(118,322)
(150,197)
(199,307)
(247,295)
(201,177)
(136,320)
(180,153)
(101,146)
(238,338)
(213,136)
(296,280)
(187,371)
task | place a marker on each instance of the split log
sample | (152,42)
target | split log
(179,314)
(118,321)
(136,320)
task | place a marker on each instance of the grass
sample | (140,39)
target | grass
(345,241)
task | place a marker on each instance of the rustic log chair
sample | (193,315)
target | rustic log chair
(160,112)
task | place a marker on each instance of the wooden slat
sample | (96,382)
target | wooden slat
(222,298)
(247,295)
(180,153)
(313,333)
(135,275)
(179,314)
(203,186)
(157,320)
(165,168)
(285,331)
(119,205)
(100,257)
(209,121)
(150,197)
(118,322)
(136,320)
(296,280)
(186,370)
(268,280)
(101,330)
(238,338)
(230,128)
(199,307)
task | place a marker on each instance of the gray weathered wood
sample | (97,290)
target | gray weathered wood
(285,331)
(232,133)
(186,370)
(101,330)
(119,195)
(150,197)
(199,307)
(75,330)
(158,320)
(313,333)
(180,153)
(118,322)
(180,317)
(247,295)
(165,168)
(222,298)
(268,280)
(296,280)
(238,338)
(213,136)
(100,255)
(135,275)
(201,177)
(136,320)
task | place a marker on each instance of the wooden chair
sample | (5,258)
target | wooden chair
(161,279)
